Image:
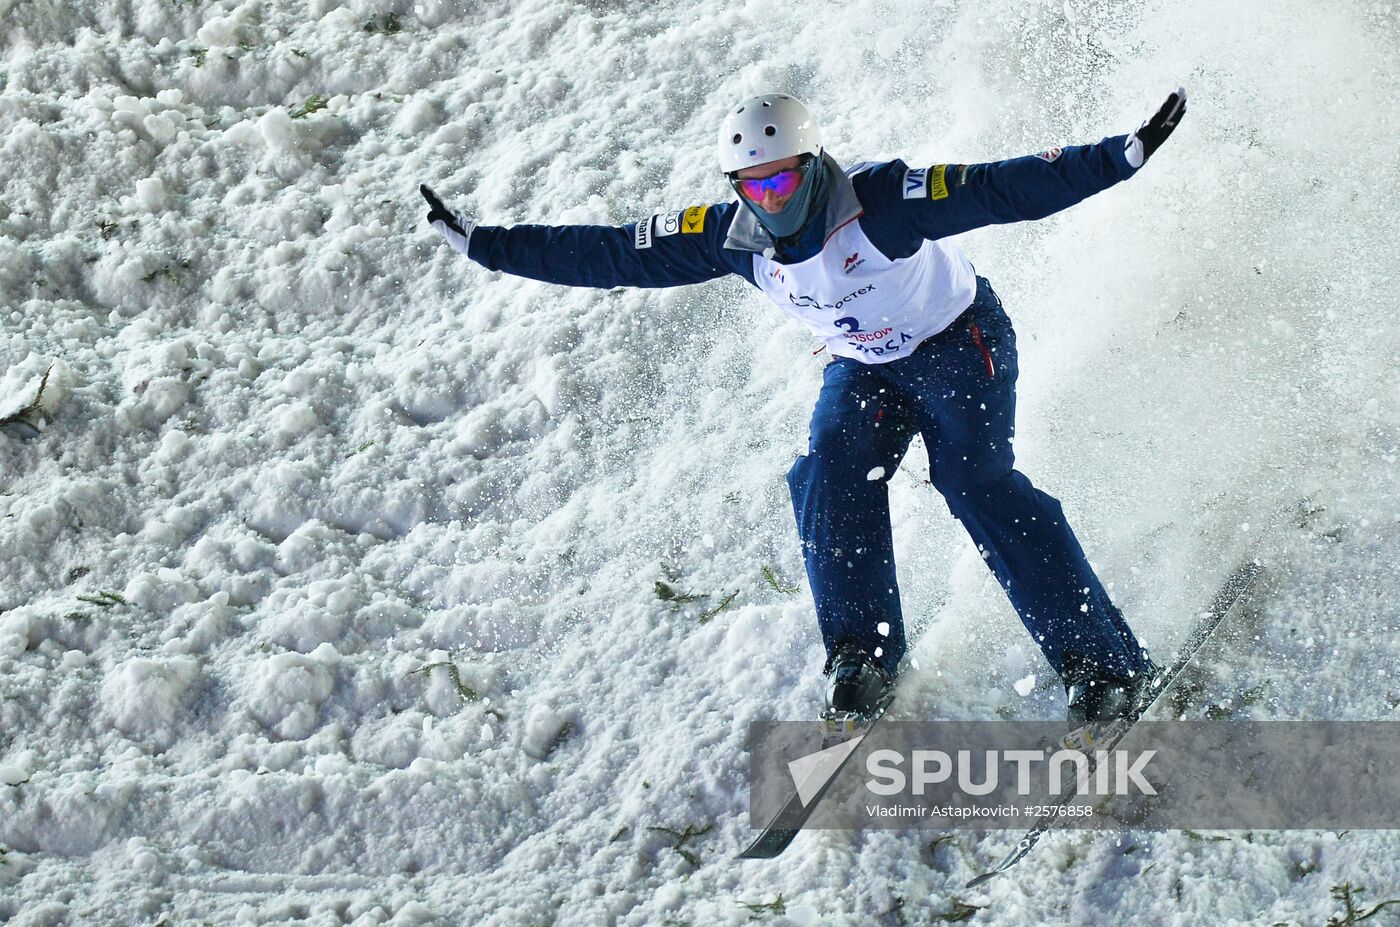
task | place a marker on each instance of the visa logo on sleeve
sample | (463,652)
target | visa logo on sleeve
(926,182)
(915,183)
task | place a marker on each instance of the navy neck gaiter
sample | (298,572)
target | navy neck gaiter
(807,203)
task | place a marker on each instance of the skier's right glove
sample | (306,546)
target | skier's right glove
(452,225)
(1152,133)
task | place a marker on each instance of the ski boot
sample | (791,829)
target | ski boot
(858,692)
(1100,707)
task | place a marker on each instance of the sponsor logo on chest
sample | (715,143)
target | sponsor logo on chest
(811,302)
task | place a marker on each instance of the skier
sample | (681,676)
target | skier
(918,342)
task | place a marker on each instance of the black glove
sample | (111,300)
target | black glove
(453,226)
(1152,133)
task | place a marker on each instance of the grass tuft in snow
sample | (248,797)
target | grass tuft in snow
(465,693)
(707,615)
(683,837)
(388,24)
(669,594)
(314,104)
(960,911)
(104,599)
(763,909)
(168,271)
(1347,894)
(1220,711)
(771,578)
(896,911)
(1203,838)
(565,732)
(1256,694)
(1307,513)
(26,415)
(936,843)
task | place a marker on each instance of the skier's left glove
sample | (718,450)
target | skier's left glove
(452,225)
(1152,133)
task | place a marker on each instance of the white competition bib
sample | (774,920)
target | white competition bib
(866,306)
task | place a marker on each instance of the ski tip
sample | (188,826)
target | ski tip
(769,844)
(978,880)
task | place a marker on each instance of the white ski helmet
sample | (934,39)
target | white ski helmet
(766,128)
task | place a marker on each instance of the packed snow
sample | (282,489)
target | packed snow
(348,583)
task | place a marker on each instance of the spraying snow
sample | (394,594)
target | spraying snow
(346,582)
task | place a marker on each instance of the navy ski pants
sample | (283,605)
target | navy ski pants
(958,390)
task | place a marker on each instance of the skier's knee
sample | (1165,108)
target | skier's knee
(840,469)
(961,484)
(797,473)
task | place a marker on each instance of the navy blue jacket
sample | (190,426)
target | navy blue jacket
(962,197)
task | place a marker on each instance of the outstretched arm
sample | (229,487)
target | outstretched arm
(670,249)
(947,199)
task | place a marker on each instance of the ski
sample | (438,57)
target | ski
(788,822)
(1236,585)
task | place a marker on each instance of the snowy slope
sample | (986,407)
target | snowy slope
(330,583)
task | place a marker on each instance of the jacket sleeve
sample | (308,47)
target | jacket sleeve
(947,199)
(667,249)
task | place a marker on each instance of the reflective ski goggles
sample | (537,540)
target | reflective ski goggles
(783,184)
